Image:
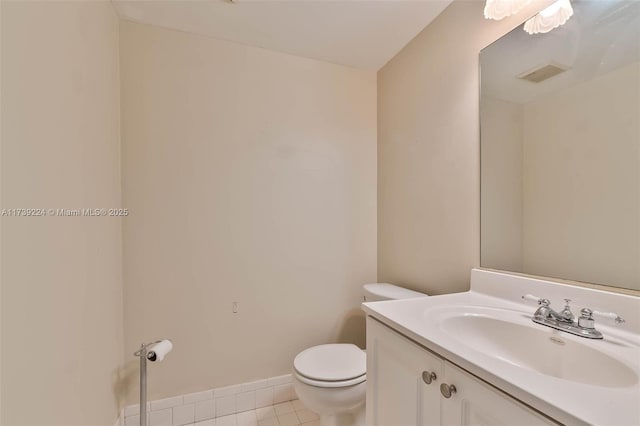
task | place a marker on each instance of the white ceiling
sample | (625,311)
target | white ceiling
(357,33)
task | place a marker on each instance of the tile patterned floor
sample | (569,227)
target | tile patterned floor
(292,413)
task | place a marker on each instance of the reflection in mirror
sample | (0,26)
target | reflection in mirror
(560,148)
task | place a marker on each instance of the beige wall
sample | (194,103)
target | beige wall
(428,151)
(582,181)
(251,178)
(61,276)
(501,195)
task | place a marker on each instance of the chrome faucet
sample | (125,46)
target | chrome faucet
(565,320)
(546,312)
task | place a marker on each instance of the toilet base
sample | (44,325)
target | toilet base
(336,406)
(350,418)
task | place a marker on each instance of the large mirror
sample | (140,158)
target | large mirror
(560,148)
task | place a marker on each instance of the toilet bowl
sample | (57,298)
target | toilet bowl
(331,379)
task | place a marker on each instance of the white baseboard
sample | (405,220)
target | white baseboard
(194,407)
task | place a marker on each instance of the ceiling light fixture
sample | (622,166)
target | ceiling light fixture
(499,9)
(551,17)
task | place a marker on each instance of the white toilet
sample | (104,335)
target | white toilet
(331,379)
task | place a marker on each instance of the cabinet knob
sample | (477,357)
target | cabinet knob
(428,377)
(447,390)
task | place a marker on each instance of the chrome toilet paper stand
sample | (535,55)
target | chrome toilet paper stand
(144,354)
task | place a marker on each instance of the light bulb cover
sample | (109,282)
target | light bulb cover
(499,9)
(552,17)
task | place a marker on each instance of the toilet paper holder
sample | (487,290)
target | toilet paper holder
(145,354)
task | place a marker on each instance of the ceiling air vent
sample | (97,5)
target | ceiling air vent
(543,73)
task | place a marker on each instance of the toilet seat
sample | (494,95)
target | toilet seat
(332,365)
(323,384)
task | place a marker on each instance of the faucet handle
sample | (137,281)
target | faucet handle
(586,319)
(586,312)
(610,316)
(531,298)
(566,313)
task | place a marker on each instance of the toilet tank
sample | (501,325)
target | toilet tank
(383,291)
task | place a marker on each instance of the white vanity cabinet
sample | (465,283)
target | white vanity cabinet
(477,403)
(398,392)
(397,395)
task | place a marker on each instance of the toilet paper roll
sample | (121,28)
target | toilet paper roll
(159,350)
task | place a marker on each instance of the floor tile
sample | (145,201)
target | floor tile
(306,415)
(288,419)
(284,408)
(210,422)
(313,423)
(273,421)
(265,413)
(298,405)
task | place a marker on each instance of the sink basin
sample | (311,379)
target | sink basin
(537,348)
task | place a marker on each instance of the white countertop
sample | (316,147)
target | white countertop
(565,401)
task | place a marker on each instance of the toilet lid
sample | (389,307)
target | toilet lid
(334,362)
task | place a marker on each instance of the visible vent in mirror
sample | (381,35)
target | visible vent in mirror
(543,73)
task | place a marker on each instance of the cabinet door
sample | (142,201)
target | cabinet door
(478,404)
(397,394)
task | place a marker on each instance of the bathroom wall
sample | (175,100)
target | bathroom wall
(61,276)
(428,151)
(251,178)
